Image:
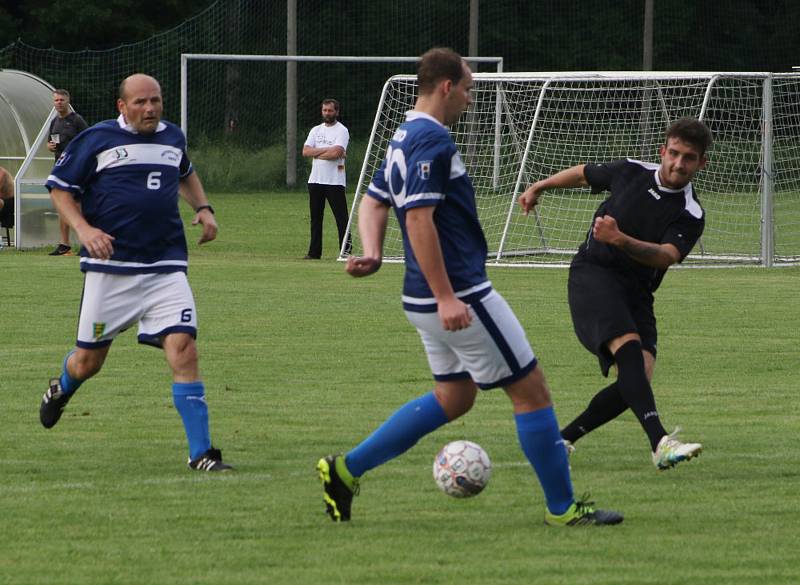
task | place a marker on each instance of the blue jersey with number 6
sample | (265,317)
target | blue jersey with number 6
(127,185)
(423,168)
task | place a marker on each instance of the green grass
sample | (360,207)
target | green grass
(300,360)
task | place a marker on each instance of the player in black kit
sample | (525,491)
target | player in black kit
(651,220)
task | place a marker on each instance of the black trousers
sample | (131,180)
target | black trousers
(334,194)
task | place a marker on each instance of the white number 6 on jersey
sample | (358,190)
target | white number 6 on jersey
(154,180)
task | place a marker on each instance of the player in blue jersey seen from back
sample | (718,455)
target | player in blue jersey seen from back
(650,221)
(127,174)
(471,337)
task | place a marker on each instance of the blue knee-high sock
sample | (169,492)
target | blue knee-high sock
(397,434)
(68,383)
(542,444)
(190,402)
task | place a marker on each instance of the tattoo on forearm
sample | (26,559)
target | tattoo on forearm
(641,250)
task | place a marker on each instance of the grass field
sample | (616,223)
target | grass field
(300,360)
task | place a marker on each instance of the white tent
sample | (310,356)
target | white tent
(26,107)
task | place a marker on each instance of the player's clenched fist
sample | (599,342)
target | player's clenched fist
(530,197)
(362,265)
(605,229)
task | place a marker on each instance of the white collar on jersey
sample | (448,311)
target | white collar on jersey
(415,115)
(123,123)
(685,189)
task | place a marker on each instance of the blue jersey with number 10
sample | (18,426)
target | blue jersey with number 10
(423,168)
(127,184)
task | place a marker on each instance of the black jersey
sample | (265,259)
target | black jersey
(645,210)
(67,128)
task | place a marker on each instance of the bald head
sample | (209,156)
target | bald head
(134,81)
(140,102)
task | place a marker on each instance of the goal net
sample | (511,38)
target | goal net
(525,126)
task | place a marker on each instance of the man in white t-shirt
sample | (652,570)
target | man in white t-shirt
(326,145)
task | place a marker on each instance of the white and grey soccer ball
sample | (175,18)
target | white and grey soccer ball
(462,469)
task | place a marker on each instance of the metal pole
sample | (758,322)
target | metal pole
(767,178)
(647,57)
(498,129)
(291,94)
(472,50)
(184,93)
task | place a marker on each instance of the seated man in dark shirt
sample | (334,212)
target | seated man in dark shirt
(6,201)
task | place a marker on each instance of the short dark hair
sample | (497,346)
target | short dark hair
(691,131)
(437,64)
(333,102)
(63,92)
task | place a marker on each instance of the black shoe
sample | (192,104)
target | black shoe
(61,250)
(211,460)
(310,257)
(53,403)
(337,496)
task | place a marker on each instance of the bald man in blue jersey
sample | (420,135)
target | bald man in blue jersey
(471,337)
(127,174)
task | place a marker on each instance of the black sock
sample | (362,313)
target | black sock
(635,389)
(606,405)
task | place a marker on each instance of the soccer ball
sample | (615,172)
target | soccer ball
(462,469)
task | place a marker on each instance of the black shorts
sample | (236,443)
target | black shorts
(605,304)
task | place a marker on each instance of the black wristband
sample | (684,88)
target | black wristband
(202,207)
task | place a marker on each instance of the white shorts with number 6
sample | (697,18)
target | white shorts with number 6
(112,303)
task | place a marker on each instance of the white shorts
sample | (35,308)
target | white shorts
(493,350)
(160,303)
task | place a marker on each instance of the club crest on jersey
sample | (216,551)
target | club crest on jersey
(424,169)
(400,135)
(99,329)
(62,159)
(170,154)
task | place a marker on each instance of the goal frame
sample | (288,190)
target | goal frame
(766,256)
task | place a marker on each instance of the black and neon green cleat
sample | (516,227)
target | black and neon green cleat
(581,513)
(336,493)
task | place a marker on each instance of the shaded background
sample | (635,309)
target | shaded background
(237,112)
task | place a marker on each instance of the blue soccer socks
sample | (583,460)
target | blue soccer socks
(68,384)
(543,446)
(397,434)
(190,402)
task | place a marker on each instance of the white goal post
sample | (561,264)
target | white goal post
(549,121)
